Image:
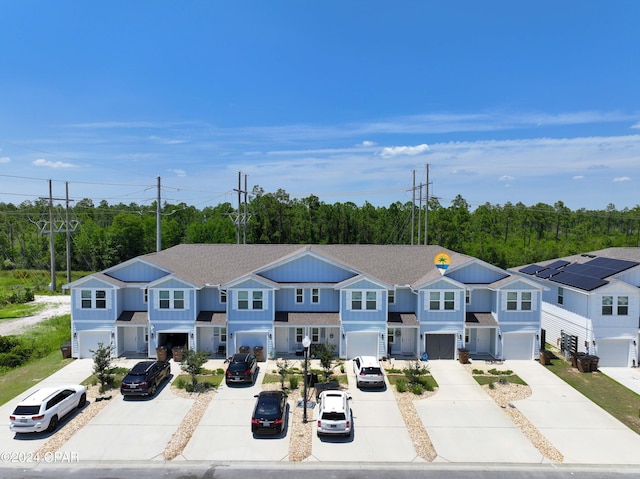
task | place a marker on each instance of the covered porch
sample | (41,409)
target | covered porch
(290,328)
(481,336)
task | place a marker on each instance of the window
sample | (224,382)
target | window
(623,305)
(442,300)
(467,296)
(364,300)
(315,335)
(315,295)
(299,295)
(519,301)
(171,299)
(621,302)
(223,335)
(392,296)
(145,295)
(223,297)
(93,299)
(560,295)
(299,335)
(250,300)
(391,336)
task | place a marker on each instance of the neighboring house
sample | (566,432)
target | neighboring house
(362,299)
(592,300)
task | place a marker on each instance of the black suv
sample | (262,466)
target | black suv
(144,378)
(242,368)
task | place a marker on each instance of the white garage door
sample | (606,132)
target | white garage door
(613,352)
(362,344)
(517,345)
(251,339)
(88,340)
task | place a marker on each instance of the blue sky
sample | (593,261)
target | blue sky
(505,101)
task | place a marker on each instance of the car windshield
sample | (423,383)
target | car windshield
(371,370)
(237,367)
(267,407)
(333,416)
(26,410)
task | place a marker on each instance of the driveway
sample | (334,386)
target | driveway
(379,432)
(466,425)
(628,377)
(132,428)
(582,431)
(224,432)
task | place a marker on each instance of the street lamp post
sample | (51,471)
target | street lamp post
(306,342)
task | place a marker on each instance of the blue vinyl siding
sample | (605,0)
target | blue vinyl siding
(405,301)
(132,300)
(137,272)
(209,300)
(481,300)
(307,269)
(286,300)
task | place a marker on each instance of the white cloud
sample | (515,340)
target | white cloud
(506,178)
(391,151)
(52,164)
(179,172)
(578,177)
(621,178)
(367,143)
(636,126)
(5,159)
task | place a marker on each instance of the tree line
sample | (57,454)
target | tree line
(504,235)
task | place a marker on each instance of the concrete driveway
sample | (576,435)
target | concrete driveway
(131,429)
(74,373)
(582,431)
(466,425)
(628,377)
(224,432)
(379,432)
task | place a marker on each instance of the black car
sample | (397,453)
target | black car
(242,368)
(144,378)
(270,413)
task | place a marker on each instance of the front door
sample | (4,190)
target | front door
(483,340)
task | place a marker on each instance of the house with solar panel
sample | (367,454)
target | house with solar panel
(378,300)
(591,303)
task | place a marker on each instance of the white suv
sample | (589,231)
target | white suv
(41,410)
(368,371)
(334,413)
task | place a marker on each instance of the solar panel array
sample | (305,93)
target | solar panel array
(586,276)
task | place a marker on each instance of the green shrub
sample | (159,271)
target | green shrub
(401,385)
(189,387)
(181,382)
(417,389)
(293,382)
(491,385)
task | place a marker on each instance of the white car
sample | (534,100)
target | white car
(334,413)
(41,410)
(368,372)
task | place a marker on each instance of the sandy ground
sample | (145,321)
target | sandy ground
(55,306)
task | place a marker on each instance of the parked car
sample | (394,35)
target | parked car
(43,409)
(242,368)
(334,413)
(145,378)
(269,414)
(368,372)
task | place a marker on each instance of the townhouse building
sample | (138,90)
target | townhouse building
(384,301)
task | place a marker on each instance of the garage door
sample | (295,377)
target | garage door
(517,346)
(88,340)
(440,346)
(613,352)
(362,344)
(251,339)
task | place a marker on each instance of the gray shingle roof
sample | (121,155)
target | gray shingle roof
(203,264)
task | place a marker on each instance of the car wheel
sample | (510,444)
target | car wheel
(83,400)
(152,392)
(53,423)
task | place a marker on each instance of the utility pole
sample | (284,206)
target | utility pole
(426,208)
(158,222)
(413,204)
(52,250)
(66,217)
(241,215)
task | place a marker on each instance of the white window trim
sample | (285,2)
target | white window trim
(615,305)
(391,296)
(315,298)
(107,298)
(519,300)
(427,300)
(298,299)
(250,292)
(172,299)
(363,302)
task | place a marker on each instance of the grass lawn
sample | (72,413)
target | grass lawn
(16,381)
(13,311)
(617,400)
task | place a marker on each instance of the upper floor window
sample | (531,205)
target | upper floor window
(250,299)
(145,295)
(467,296)
(622,305)
(93,299)
(364,300)
(299,296)
(442,301)
(315,295)
(560,295)
(391,295)
(171,299)
(223,297)
(519,301)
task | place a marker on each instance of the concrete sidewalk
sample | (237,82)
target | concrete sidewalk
(466,425)
(582,431)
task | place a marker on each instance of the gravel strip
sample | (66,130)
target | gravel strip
(421,441)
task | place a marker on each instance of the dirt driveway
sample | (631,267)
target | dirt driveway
(54,306)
